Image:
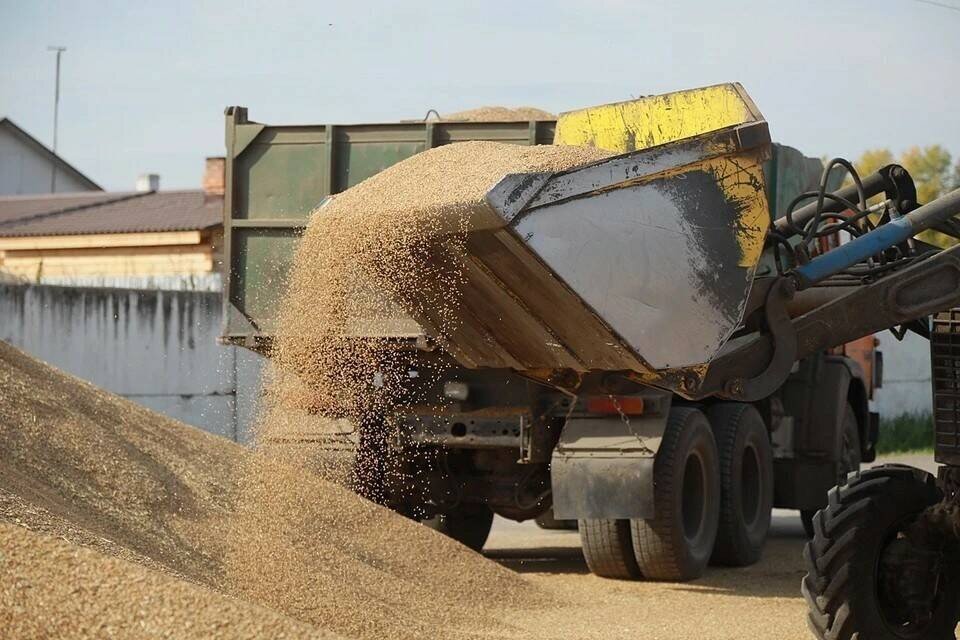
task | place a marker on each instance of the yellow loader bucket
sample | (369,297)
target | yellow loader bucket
(654,120)
(642,262)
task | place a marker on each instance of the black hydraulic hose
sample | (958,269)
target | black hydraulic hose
(821,196)
(873,185)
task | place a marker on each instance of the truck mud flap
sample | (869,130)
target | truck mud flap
(603,467)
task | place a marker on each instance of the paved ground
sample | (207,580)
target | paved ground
(762,601)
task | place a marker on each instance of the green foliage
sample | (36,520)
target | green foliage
(873,159)
(930,168)
(931,172)
(906,432)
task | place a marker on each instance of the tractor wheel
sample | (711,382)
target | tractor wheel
(607,548)
(677,542)
(864,578)
(746,483)
(468,524)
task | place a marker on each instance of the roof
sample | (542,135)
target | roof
(108,212)
(62,164)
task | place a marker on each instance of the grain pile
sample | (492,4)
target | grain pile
(50,588)
(499,114)
(95,469)
(114,519)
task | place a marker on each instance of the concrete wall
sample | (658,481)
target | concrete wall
(24,170)
(906,378)
(157,348)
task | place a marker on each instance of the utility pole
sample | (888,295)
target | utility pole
(56,113)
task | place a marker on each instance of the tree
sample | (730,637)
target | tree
(931,172)
(873,159)
(930,168)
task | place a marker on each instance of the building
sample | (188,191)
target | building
(145,238)
(27,166)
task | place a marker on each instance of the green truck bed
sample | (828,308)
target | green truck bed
(277,175)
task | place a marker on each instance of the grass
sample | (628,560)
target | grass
(906,432)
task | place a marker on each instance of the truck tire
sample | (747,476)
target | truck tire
(369,474)
(746,483)
(548,522)
(850,458)
(608,550)
(677,542)
(468,524)
(847,591)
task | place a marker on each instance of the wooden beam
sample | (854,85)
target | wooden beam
(96,240)
(115,261)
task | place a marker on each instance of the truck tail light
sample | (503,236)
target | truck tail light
(614,405)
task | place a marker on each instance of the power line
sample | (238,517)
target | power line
(939,4)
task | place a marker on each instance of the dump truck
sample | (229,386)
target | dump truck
(652,344)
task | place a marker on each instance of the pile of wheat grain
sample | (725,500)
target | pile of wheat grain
(51,588)
(155,504)
(499,114)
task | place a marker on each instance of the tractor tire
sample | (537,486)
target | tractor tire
(850,458)
(746,483)
(468,524)
(608,550)
(849,593)
(677,542)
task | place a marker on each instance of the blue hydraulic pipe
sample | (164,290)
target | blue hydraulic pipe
(883,237)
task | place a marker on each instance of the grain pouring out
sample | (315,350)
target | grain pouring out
(359,255)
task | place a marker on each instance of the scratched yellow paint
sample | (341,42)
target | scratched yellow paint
(741,180)
(647,122)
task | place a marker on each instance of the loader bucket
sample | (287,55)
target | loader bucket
(641,262)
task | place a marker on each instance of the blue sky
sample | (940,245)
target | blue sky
(144,84)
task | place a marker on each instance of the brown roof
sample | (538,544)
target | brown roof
(102,212)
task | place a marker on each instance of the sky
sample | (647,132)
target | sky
(144,85)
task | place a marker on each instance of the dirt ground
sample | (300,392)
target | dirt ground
(762,601)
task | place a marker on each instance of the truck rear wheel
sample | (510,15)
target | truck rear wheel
(677,542)
(746,483)
(548,522)
(850,459)
(857,585)
(607,548)
(468,524)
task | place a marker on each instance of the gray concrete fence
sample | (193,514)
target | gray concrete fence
(159,348)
